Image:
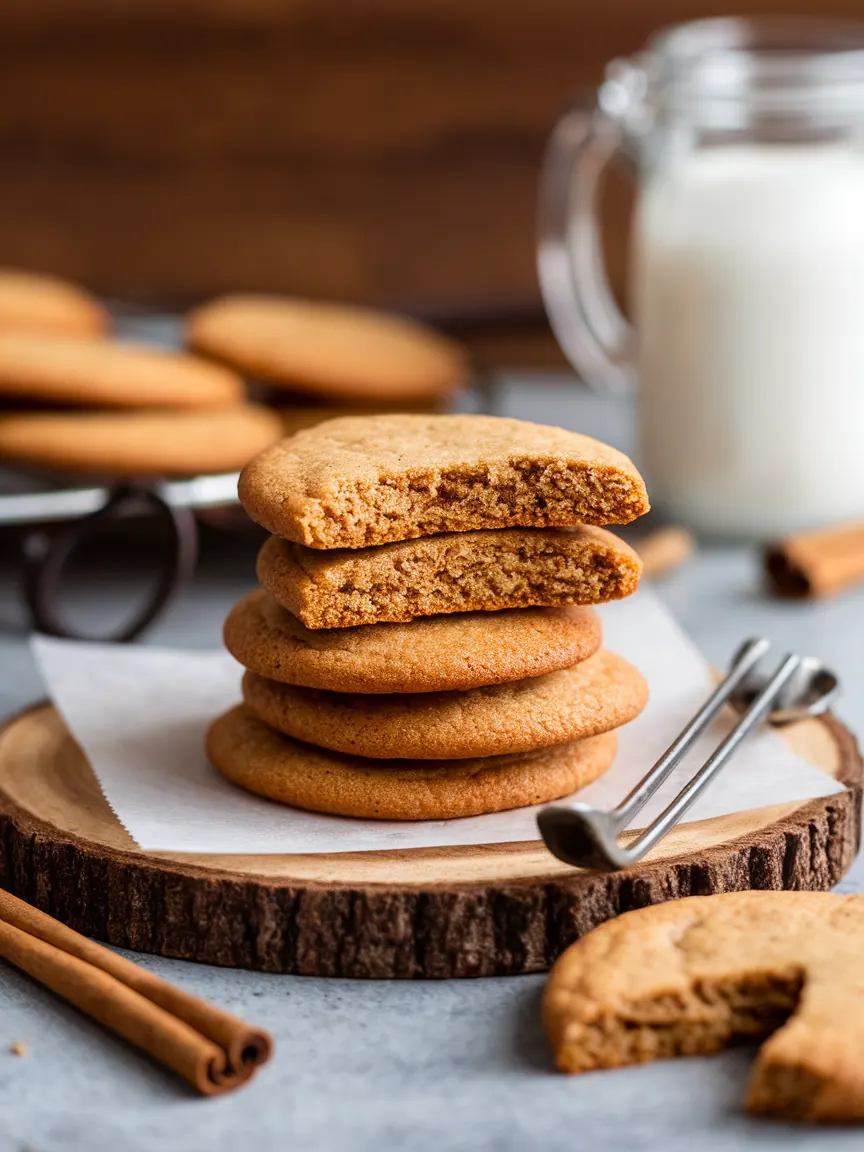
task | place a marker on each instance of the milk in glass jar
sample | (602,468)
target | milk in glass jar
(747,277)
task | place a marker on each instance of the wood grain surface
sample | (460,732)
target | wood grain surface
(463,911)
(383,151)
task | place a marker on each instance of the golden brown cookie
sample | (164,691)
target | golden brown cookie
(595,696)
(361,481)
(138,443)
(325,349)
(697,975)
(454,572)
(103,373)
(436,654)
(255,757)
(31,302)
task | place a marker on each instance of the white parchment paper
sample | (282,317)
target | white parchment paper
(140,714)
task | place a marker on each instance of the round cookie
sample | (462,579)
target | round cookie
(329,350)
(31,302)
(595,696)
(367,480)
(102,373)
(693,976)
(250,754)
(434,654)
(138,443)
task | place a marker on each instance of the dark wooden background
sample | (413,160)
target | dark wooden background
(375,150)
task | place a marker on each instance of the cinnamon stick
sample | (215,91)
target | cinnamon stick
(664,550)
(211,1049)
(818,563)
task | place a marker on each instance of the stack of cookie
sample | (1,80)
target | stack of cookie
(424,645)
(73,400)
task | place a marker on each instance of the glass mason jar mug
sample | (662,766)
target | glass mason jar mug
(747,270)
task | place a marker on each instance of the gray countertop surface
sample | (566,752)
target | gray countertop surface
(375,1065)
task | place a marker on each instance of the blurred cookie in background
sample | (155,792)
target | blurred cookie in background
(31,302)
(67,371)
(296,417)
(139,443)
(330,351)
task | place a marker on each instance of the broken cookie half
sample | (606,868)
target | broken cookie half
(356,481)
(454,572)
(695,976)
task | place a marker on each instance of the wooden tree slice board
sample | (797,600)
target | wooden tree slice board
(463,911)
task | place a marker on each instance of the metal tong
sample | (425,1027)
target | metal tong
(588,838)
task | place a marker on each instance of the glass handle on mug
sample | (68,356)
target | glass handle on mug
(593,334)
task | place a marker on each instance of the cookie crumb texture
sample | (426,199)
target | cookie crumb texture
(362,481)
(698,975)
(455,572)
